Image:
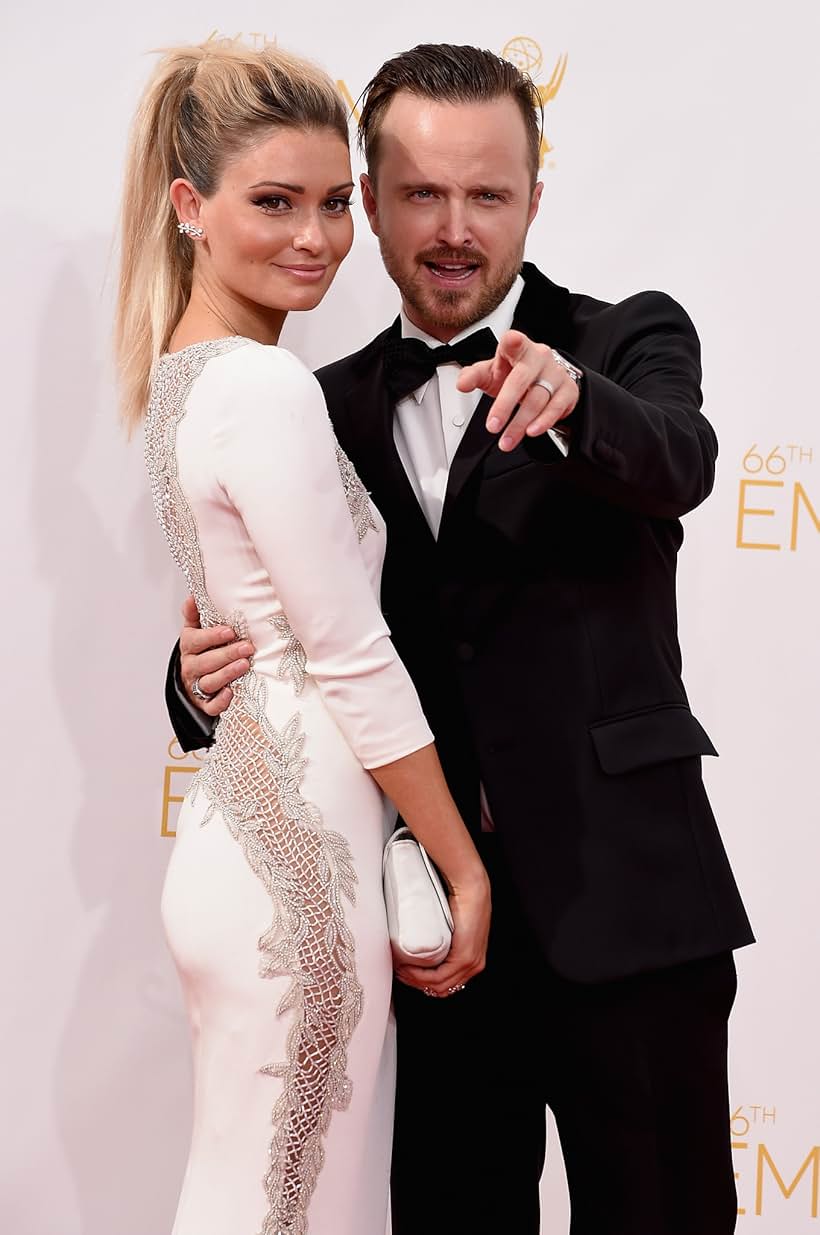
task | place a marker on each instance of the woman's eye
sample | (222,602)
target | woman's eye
(274,205)
(338,205)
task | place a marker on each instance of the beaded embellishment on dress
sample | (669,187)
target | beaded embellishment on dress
(292,664)
(253,777)
(358,499)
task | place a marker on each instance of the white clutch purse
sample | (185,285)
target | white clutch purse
(419,921)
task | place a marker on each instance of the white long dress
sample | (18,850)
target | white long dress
(272,902)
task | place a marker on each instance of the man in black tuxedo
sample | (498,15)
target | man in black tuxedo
(530,589)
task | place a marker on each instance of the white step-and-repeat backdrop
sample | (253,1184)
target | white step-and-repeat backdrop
(681,153)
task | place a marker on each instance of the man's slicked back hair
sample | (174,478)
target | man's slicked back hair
(448,73)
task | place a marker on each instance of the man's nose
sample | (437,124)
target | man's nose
(454,226)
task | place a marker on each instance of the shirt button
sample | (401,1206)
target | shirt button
(458,421)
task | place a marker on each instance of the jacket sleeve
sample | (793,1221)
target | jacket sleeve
(277,463)
(638,436)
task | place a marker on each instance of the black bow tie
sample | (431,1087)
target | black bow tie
(409,363)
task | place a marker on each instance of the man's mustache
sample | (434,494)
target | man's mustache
(444,256)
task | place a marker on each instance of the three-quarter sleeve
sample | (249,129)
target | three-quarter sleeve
(277,464)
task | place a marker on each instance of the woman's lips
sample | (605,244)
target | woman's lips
(306,274)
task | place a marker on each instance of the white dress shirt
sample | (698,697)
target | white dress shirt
(429,423)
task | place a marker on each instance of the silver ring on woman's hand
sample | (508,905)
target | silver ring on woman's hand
(198,692)
(453,990)
(548,386)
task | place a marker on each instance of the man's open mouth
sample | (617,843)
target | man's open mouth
(453,272)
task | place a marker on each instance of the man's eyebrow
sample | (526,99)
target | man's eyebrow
(420,183)
(297,188)
(431,187)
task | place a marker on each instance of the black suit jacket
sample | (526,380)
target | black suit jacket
(540,630)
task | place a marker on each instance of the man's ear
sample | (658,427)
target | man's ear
(535,201)
(371,208)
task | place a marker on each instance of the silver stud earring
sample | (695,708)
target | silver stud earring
(191,229)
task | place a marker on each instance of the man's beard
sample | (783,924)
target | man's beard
(448,308)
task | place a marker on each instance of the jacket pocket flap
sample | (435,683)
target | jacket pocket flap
(655,735)
(501,463)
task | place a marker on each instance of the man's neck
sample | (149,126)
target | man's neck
(436,330)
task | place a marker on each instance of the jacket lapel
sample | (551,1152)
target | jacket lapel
(542,313)
(370,416)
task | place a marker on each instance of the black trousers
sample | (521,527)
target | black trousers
(634,1072)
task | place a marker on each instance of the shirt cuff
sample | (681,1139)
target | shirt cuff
(561,438)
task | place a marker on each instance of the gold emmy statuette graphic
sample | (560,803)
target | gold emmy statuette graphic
(257,38)
(175,782)
(527,56)
(768,479)
(344,91)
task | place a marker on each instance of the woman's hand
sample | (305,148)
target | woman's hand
(417,787)
(470,907)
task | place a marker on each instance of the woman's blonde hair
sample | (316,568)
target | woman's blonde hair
(204,104)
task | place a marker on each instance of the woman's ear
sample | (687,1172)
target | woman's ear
(186,202)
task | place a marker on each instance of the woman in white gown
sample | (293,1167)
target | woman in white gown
(236,210)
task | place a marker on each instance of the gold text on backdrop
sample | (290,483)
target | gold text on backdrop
(769,479)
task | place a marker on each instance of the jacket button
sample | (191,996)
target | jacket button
(465,651)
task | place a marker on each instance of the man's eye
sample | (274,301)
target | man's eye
(422,194)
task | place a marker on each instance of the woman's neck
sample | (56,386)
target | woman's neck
(211,316)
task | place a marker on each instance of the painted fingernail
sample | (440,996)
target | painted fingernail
(505,443)
(493,424)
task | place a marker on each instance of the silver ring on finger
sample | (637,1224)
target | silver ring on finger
(198,692)
(453,990)
(545,385)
